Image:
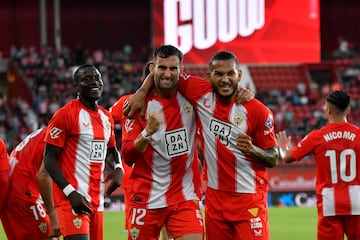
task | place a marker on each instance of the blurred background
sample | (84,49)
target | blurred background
(292,54)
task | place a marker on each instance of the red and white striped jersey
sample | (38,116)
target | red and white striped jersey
(84,136)
(228,169)
(119,118)
(25,161)
(336,148)
(167,172)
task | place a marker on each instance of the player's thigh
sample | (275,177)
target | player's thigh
(31,215)
(185,220)
(218,229)
(146,224)
(72,224)
(330,228)
(352,226)
(97,225)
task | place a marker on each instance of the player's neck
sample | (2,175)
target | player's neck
(164,93)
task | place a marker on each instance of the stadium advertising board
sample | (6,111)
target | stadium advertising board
(292,199)
(292,179)
(257,31)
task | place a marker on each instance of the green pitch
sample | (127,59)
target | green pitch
(285,223)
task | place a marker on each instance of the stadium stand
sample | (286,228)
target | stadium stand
(43,84)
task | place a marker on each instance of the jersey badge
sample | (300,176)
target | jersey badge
(188,108)
(134,233)
(77,222)
(238,118)
(43,227)
(55,132)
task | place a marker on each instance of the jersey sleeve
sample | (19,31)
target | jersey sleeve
(193,87)
(112,140)
(305,146)
(263,129)
(58,127)
(130,131)
(116,109)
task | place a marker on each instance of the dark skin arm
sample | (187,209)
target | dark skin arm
(115,175)
(45,187)
(78,202)
(267,157)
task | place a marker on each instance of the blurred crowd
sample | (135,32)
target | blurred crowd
(49,77)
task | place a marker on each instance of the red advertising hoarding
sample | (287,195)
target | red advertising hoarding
(257,31)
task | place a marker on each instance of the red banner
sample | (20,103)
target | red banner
(257,31)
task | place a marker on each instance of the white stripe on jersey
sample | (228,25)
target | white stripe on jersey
(244,173)
(161,171)
(84,151)
(354,192)
(328,200)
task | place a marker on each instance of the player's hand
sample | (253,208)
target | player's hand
(155,119)
(244,143)
(54,224)
(243,95)
(282,139)
(116,177)
(134,104)
(79,203)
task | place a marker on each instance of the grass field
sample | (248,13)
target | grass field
(285,223)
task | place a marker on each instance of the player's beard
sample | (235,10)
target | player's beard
(227,97)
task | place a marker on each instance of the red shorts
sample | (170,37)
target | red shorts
(236,215)
(334,227)
(73,224)
(25,220)
(181,219)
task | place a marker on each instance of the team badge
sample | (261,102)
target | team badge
(134,233)
(77,222)
(188,108)
(238,119)
(43,227)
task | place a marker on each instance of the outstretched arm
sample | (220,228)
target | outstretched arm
(284,143)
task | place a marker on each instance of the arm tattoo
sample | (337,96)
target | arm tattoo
(268,157)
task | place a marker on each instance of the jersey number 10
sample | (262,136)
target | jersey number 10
(347,169)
